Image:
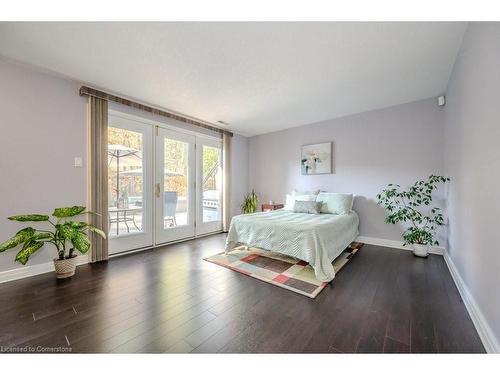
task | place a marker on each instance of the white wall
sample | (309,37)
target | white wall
(43,127)
(472,159)
(43,123)
(394,145)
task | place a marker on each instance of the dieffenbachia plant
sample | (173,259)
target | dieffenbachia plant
(62,230)
(403,206)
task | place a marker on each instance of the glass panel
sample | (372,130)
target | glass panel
(125,181)
(212,184)
(175,183)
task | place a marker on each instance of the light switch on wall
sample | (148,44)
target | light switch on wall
(78,162)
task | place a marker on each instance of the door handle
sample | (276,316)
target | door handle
(157,190)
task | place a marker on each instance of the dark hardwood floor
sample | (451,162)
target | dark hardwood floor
(170,300)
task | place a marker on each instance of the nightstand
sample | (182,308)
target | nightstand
(271,207)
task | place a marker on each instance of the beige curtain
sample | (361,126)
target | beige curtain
(226,192)
(98,155)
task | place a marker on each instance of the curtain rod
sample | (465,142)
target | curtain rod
(88,91)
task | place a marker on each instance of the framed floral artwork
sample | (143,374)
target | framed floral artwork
(316,158)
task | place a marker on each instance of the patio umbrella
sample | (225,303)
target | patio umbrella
(125,155)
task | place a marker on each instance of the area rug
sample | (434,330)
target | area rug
(280,270)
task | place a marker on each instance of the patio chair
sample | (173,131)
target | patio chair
(170,207)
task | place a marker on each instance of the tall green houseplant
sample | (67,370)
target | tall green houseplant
(409,206)
(64,229)
(250,203)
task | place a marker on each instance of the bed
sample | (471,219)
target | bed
(315,238)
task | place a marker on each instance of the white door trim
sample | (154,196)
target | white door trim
(161,124)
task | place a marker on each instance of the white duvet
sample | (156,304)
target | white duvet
(315,238)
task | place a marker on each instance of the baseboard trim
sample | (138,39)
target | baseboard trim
(483,329)
(36,269)
(439,250)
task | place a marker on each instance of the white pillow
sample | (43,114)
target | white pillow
(290,200)
(335,203)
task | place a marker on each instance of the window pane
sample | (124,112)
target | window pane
(175,180)
(212,180)
(125,181)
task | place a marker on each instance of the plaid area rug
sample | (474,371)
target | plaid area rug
(280,270)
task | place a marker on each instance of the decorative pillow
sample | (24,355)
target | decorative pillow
(335,203)
(290,200)
(307,207)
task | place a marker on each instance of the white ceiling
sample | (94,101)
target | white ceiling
(258,77)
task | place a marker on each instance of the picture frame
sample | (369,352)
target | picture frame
(316,158)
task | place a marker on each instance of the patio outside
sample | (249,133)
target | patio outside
(125,183)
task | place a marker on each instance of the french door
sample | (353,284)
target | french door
(208,185)
(164,184)
(188,188)
(130,185)
(175,185)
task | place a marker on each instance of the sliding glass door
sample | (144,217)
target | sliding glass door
(164,184)
(130,207)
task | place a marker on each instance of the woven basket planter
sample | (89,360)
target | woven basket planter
(65,267)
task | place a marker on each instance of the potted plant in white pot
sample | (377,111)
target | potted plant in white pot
(63,231)
(405,206)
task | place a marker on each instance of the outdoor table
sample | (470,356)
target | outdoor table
(123,216)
